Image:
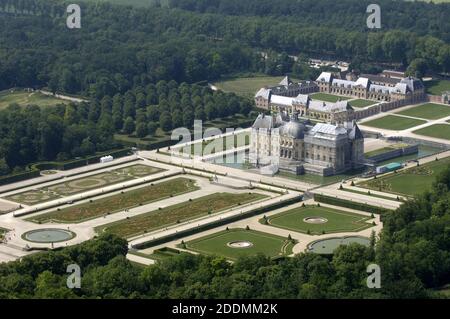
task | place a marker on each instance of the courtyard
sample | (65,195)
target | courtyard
(360,103)
(326,97)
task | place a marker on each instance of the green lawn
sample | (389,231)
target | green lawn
(76,186)
(429,111)
(361,103)
(160,254)
(411,181)
(328,97)
(119,202)
(436,87)
(436,130)
(178,213)
(262,243)
(337,221)
(248,86)
(24,98)
(378,151)
(150,142)
(368,193)
(395,123)
(385,149)
(238,140)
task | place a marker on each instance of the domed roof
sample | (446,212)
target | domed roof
(293,129)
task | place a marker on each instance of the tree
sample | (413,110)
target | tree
(4,168)
(141,130)
(417,68)
(177,119)
(188,117)
(165,121)
(87,147)
(200,113)
(128,125)
(210,111)
(151,128)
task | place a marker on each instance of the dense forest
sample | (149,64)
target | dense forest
(119,47)
(419,17)
(64,132)
(413,253)
(121,54)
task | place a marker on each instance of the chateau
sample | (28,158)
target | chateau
(386,92)
(293,144)
(408,89)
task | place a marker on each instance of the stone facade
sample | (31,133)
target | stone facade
(285,88)
(409,89)
(388,94)
(295,145)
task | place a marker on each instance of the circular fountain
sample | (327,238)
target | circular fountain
(50,235)
(240,244)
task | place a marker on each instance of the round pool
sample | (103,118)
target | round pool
(327,246)
(240,244)
(315,220)
(50,235)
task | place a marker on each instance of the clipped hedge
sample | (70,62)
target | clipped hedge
(348,204)
(218,223)
(19,177)
(38,167)
(62,166)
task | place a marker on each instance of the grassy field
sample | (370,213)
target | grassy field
(236,121)
(337,221)
(395,123)
(385,149)
(24,98)
(238,140)
(262,243)
(368,193)
(436,87)
(161,253)
(119,202)
(429,111)
(436,130)
(83,184)
(378,151)
(359,103)
(248,86)
(178,213)
(411,181)
(328,97)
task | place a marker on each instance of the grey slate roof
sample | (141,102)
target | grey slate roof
(413,84)
(293,129)
(321,106)
(263,122)
(325,77)
(286,81)
(264,93)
